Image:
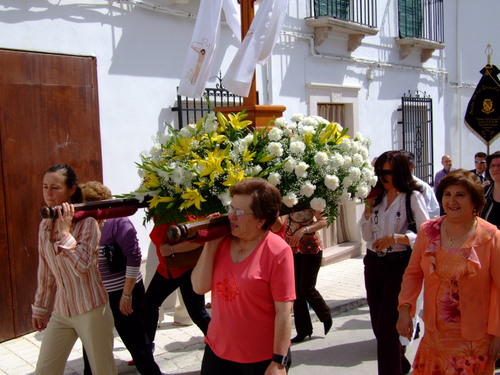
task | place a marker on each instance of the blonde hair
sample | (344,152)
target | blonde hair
(95,191)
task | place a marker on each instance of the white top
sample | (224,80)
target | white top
(429,197)
(388,220)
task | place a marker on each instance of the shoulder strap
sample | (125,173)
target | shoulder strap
(409,214)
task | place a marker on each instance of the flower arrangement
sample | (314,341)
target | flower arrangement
(312,161)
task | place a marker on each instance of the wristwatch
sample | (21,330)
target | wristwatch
(280,359)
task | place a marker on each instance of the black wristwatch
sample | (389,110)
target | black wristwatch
(280,359)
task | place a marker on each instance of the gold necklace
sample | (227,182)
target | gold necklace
(450,239)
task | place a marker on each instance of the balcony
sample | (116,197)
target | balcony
(421,26)
(356,18)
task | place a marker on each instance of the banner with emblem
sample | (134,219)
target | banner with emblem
(483,111)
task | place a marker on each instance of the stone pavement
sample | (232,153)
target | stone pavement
(179,349)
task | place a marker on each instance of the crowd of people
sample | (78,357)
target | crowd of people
(431,253)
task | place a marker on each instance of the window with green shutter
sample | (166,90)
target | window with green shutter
(332,8)
(410,18)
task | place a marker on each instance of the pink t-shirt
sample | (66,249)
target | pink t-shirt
(243,296)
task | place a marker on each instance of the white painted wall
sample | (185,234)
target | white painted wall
(140,54)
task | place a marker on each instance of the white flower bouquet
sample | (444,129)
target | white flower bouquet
(188,172)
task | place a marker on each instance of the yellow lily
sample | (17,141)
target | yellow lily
(247,156)
(235,175)
(184,146)
(151,181)
(212,164)
(157,200)
(192,196)
(237,121)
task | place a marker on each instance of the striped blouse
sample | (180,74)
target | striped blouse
(68,269)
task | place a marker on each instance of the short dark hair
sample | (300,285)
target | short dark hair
(480,155)
(409,155)
(266,198)
(490,158)
(469,181)
(70,180)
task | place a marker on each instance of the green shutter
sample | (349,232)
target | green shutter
(332,8)
(410,18)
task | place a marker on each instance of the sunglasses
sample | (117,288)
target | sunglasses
(384,172)
(480,162)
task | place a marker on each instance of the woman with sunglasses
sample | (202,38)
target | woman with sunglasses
(384,227)
(250,274)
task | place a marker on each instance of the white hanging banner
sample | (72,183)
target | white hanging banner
(256,47)
(200,56)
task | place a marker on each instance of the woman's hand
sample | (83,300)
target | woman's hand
(64,219)
(404,325)
(39,323)
(126,305)
(383,243)
(275,369)
(495,348)
(297,236)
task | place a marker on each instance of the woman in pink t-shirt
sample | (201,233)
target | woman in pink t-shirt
(250,274)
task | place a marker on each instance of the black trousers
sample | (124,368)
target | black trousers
(214,365)
(132,331)
(306,268)
(160,288)
(383,276)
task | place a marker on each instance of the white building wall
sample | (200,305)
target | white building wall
(140,53)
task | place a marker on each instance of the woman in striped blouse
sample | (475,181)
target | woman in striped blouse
(68,273)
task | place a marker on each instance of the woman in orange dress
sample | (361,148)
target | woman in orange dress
(457,256)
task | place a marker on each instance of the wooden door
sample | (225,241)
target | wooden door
(48,114)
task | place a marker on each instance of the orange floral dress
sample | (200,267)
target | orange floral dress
(445,352)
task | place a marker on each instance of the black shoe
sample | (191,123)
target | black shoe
(300,338)
(497,363)
(328,325)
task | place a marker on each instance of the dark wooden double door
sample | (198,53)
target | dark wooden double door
(48,114)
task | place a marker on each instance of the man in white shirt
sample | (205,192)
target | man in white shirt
(428,193)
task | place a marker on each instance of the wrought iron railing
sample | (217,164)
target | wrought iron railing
(190,110)
(363,12)
(417,132)
(423,19)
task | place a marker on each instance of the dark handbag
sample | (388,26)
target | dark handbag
(184,259)
(410,220)
(115,258)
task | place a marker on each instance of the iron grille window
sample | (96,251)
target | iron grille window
(417,132)
(363,12)
(423,19)
(190,111)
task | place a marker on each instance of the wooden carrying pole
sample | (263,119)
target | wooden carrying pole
(260,115)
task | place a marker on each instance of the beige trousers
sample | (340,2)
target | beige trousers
(95,330)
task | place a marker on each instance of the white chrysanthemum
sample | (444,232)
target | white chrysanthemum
(347,182)
(290,199)
(301,170)
(307,189)
(373,180)
(362,192)
(354,173)
(225,198)
(290,165)
(367,173)
(354,147)
(339,127)
(280,122)
(307,129)
(297,147)
(275,134)
(363,151)
(164,138)
(318,204)
(320,120)
(337,160)
(247,140)
(256,170)
(310,121)
(345,146)
(331,182)
(357,160)
(347,161)
(155,152)
(297,117)
(274,178)
(321,158)
(275,148)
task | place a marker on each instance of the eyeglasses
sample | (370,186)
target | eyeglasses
(384,172)
(480,162)
(237,212)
